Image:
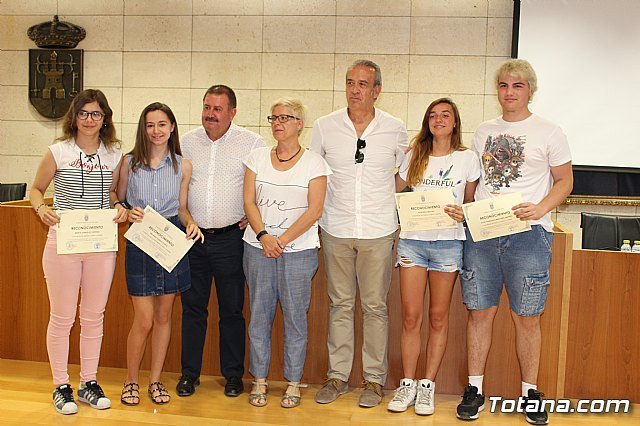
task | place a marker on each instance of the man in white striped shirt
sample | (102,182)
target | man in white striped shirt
(216,151)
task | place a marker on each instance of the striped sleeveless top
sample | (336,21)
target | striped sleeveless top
(82,181)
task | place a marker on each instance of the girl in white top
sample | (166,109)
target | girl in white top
(84,166)
(437,159)
(284,190)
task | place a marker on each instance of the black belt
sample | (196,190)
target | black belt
(216,231)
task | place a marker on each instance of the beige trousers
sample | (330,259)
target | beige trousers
(365,265)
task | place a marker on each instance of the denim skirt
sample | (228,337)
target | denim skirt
(145,276)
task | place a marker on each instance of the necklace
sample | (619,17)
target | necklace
(288,159)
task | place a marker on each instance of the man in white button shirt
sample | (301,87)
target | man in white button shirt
(363,146)
(216,151)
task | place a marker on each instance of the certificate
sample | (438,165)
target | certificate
(424,211)
(87,231)
(159,238)
(493,217)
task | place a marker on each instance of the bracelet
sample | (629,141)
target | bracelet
(122,203)
(261,234)
(40,205)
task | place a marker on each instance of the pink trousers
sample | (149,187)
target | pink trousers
(89,274)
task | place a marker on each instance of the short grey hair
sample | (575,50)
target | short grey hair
(296,106)
(369,64)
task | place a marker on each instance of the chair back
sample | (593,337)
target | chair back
(599,231)
(12,191)
(606,232)
(628,228)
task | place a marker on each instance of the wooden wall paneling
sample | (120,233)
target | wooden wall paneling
(22,289)
(502,371)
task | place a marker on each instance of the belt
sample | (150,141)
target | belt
(216,231)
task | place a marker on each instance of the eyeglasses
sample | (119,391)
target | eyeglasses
(281,118)
(95,115)
(361,144)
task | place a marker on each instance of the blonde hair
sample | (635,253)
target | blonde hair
(519,68)
(296,106)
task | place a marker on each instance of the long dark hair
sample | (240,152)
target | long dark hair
(140,151)
(107,130)
(422,143)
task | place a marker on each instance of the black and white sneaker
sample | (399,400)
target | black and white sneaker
(472,403)
(63,400)
(534,412)
(91,393)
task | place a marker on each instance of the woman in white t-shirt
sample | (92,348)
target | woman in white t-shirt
(284,190)
(83,166)
(436,160)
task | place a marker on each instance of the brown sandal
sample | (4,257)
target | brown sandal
(130,394)
(157,393)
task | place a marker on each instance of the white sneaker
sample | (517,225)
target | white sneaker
(425,397)
(91,393)
(63,400)
(403,397)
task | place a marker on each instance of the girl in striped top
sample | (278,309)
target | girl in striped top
(154,174)
(82,166)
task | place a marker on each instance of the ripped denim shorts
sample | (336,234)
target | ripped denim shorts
(441,255)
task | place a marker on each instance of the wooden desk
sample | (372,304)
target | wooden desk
(25,310)
(603,345)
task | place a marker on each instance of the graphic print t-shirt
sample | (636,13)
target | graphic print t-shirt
(517,157)
(451,171)
(282,196)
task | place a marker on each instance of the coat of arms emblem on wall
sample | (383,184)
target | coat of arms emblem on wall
(55,70)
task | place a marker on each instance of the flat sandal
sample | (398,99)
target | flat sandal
(257,398)
(130,390)
(289,400)
(161,390)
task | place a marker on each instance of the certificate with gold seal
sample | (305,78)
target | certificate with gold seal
(159,238)
(424,210)
(493,217)
(87,231)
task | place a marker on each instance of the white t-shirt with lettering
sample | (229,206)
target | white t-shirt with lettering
(450,171)
(517,157)
(282,196)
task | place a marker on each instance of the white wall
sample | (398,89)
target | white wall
(139,51)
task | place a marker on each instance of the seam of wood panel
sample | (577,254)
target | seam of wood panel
(564,315)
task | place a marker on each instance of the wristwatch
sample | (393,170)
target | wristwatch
(261,234)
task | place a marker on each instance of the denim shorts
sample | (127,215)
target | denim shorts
(520,261)
(145,276)
(441,255)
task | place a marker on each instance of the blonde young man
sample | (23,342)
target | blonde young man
(519,152)
(363,146)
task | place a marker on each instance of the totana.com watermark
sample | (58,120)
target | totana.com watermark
(520,405)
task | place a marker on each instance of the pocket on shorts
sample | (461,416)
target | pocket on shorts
(469,286)
(534,294)
(546,237)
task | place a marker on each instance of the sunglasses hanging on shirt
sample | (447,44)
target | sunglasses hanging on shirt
(361,144)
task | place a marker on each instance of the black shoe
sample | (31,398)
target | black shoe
(534,412)
(471,404)
(187,385)
(234,386)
